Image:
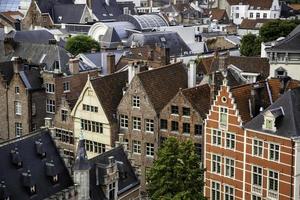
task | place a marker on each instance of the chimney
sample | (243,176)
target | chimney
(74,65)
(17,64)
(133,69)
(192,73)
(165,55)
(89,3)
(111,65)
(255,102)
(222,63)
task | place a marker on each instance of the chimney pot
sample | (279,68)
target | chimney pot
(192,74)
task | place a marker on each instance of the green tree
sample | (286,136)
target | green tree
(81,44)
(176,174)
(275,29)
(250,45)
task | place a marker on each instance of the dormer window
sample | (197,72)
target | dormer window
(271,117)
(16,158)
(269,124)
(40,150)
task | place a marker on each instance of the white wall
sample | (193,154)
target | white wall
(293,70)
(241,10)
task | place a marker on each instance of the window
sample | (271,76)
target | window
(228,192)
(136,123)
(229,167)
(265,15)
(215,191)
(112,189)
(17,90)
(254,197)
(50,106)
(273,180)
(274,152)
(18,129)
(174,126)
(136,146)
(217,137)
(18,108)
(223,117)
(123,121)
(99,148)
(33,109)
(269,124)
(257,15)
(186,128)
(50,88)
(257,176)
(198,149)
(280,72)
(66,86)
(257,147)
(150,149)
(237,15)
(230,140)
(198,129)
(91,126)
(163,124)
(149,123)
(174,110)
(251,15)
(89,108)
(125,10)
(136,101)
(64,136)
(216,164)
(186,111)
(64,115)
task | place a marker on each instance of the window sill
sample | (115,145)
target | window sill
(164,130)
(175,132)
(150,132)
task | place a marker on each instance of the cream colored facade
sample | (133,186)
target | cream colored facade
(88,97)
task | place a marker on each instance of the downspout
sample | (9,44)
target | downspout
(269,92)
(7,117)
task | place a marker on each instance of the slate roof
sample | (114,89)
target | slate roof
(167,39)
(289,124)
(242,94)
(46,5)
(199,97)
(109,90)
(111,39)
(124,184)
(264,5)
(162,84)
(34,36)
(106,12)
(290,43)
(253,24)
(31,160)
(69,13)
(31,77)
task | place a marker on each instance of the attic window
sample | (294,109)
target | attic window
(40,150)
(269,124)
(16,158)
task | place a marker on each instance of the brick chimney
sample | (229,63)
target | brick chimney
(165,55)
(111,65)
(74,65)
(17,64)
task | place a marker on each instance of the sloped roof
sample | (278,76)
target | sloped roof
(253,24)
(110,39)
(242,94)
(106,12)
(124,184)
(69,13)
(289,124)
(265,4)
(46,6)
(32,78)
(199,97)
(34,36)
(290,43)
(162,84)
(166,39)
(26,146)
(109,92)
(218,14)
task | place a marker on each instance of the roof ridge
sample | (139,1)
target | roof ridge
(160,68)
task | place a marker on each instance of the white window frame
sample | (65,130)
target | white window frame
(66,86)
(18,129)
(229,167)
(217,163)
(275,152)
(258,148)
(136,147)
(216,137)
(223,111)
(261,175)
(17,90)
(230,142)
(230,195)
(136,101)
(268,186)
(64,115)
(136,123)
(150,149)
(124,121)
(18,108)
(50,106)
(50,88)
(149,125)
(218,190)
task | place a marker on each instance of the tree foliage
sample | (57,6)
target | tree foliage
(250,45)
(176,174)
(81,44)
(277,28)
